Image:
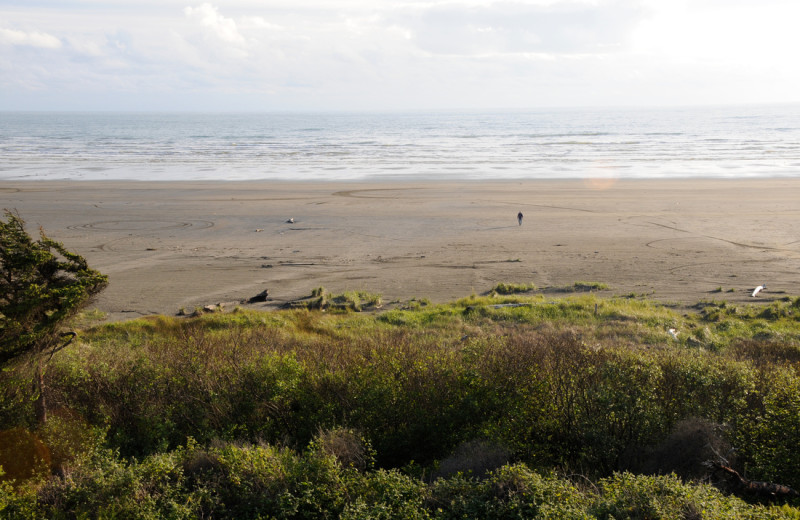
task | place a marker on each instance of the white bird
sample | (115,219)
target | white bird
(758,290)
(290,221)
(673,333)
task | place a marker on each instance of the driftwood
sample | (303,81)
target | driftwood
(501,305)
(260,297)
(752,488)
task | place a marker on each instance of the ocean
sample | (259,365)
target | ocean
(712,142)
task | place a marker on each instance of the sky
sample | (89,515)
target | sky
(311,55)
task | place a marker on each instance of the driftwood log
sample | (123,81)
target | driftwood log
(752,488)
(260,297)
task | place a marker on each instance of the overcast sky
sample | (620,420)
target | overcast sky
(259,55)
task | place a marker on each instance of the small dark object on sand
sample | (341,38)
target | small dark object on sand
(260,297)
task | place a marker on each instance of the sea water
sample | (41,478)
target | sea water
(712,142)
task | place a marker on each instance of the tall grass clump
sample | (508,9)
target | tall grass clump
(590,286)
(512,288)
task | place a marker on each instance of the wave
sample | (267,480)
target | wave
(555,144)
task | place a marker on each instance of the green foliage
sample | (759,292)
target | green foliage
(307,414)
(770,433)
(512,492)
(386,495)
(41,285)
(321,299)
(350,448)
(242,481)
(512,288)
(355,300)
(627,496)
(590,286)
(562,383)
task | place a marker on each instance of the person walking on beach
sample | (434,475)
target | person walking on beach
(519,218)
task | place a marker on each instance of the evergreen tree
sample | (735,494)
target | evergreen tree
(41,286)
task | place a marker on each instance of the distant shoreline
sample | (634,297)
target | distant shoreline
(589,182)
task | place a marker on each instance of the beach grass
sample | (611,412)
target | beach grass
(513,288)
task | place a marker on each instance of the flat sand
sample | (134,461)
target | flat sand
(181,245)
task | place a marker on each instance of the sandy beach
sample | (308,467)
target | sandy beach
(172,246)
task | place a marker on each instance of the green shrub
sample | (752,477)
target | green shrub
(591,286)
(769,433)
(512,288)
(627,496)
(385,495)
(508,493)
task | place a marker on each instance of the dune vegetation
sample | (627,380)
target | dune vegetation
(522,405)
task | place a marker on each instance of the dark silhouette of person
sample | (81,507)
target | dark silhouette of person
(519,218)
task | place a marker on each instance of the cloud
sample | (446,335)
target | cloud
(518,27)
(306,54)
(29,39)
(223,28)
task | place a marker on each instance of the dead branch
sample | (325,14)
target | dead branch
(753,488)
(72,335)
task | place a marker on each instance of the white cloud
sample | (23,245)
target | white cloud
(88,47)
(523,27)
(307,54)
(224,28)
(31,39)
(260,23)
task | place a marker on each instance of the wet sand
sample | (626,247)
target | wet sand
(179,245)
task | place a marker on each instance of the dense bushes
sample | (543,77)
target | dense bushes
(547,395)
(302,414)
(769,433)
(229,481)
